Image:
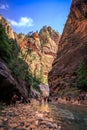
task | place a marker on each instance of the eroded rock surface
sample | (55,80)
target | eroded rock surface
(72,48)
(9,85)
(39,51)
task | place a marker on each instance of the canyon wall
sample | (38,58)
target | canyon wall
(72,48)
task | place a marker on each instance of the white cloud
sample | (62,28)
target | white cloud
(23,22)
(4,6)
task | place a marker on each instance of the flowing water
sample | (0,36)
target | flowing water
(71,117)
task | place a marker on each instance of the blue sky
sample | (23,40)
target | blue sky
(31,15)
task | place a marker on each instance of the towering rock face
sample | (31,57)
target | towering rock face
(9,84)
(19,37)
(9,31)
(7,26)
(39,51)
(72,48)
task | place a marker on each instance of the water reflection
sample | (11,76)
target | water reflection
(43,107)
(69,116)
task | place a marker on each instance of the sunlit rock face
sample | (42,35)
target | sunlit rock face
(19,37)
(39,51)
(72,48)
(9,31)
(7,26)
(45,89)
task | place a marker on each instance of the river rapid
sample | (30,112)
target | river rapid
(71,117)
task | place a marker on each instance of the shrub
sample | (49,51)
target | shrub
(5,48)
(81,77)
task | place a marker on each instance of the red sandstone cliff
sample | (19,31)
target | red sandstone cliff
(7,26)
(39,51)
(72,48)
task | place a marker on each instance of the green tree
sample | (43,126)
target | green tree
(10,51)
(14,48)
(41,74)
(5,48)
(81,77)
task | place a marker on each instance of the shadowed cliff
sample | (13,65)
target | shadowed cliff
(72,49)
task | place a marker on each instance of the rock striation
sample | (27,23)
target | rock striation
(9,31)
(8,28)
(39,51)
(9,84)
(72,48)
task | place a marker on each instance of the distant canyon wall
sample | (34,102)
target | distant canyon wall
(37,48)
(39,51)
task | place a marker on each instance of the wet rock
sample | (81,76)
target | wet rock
(12,125)
(32,126)
(27,119)
(36,122)
(21,123)
(0,121)
(59,127)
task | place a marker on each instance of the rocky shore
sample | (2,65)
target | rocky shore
(31,116)
(73,102)
(26,117)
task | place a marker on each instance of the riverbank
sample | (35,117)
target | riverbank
(72,101)
(29,117)
(26,117)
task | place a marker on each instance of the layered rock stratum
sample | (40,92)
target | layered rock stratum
(7,26)
(72,48)
(9,84)
(39,51)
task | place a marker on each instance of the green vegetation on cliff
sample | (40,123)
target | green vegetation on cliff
(82,77)
(9,51)
(5,48)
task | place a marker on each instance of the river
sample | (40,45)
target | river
(71,117)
